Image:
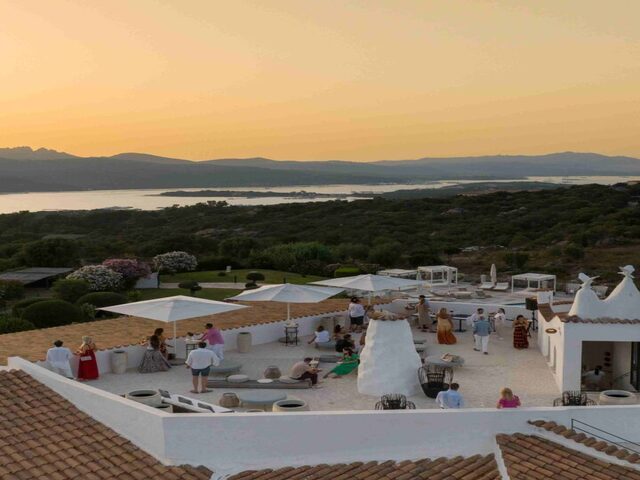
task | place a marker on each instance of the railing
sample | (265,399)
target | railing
(622,442)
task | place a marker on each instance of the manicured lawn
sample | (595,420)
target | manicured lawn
(208,293)
(271,276)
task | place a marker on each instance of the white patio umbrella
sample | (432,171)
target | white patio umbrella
(493,273)
(172,309)
(369,283)
(288,293)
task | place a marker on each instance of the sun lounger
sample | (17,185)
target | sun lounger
(481,294)
(487,286)
(191,404)
(298,385)
(501,287)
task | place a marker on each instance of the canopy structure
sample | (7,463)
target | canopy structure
(173,309)
(288,293)
(537,279)
(439,274)
(369,283)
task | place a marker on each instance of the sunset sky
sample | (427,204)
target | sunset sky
(320,79)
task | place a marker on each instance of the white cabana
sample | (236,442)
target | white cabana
(173,309)
(288,293)
(439,274)
(535,279)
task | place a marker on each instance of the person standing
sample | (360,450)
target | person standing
(475,317)
(481,331)
(356,315)
(87,365)
(423,309)
(520,340)
(214,339)
(445,328)
(499,319)
(200,361)
(59,358)
(303,370)
(508,399)
(450,398)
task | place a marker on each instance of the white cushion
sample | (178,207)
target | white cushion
(288,380)
(238,378)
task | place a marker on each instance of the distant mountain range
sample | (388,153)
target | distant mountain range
(23,169)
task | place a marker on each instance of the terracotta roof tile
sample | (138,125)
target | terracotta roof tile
(65,443)
(607,320)
(477,467)
(122,331)
(528,457)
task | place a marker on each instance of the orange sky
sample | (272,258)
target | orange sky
(321,79)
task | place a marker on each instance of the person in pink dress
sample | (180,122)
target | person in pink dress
(214,339)
(508,399)
(87,364)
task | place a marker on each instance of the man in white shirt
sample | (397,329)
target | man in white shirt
(58,358)
(450,398)
(321,335)
(356,315)
(200,361)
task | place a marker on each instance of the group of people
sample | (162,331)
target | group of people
(59,359)
(452,398)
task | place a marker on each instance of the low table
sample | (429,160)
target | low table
(460,319)
(226,367)
(436,360)
(260,399)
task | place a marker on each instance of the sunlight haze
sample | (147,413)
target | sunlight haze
(360,80)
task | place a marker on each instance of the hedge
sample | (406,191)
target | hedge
(11,290)
(102,299)
(52,313)
(346,272)
(13,324)
(20,306)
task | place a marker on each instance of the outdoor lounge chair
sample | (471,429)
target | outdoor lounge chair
(395,401)
(481,294)
(573,399)
(501,287)
(487,286)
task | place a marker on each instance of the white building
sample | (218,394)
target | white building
(594,332)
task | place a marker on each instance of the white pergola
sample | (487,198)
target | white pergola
(439,274)
(535,278)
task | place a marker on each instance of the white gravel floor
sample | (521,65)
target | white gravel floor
(480,379)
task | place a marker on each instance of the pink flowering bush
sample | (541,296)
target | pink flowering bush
(129,268)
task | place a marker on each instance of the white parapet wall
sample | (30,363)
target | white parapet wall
(228,443)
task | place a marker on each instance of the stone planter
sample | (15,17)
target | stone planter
(147,397)
(229,400)
(617,397)
(165,407)
(244,342)
(272,372)
(119,360)
(291,406)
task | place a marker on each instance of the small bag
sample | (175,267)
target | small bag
(85,358)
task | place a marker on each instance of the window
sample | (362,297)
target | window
(634,376)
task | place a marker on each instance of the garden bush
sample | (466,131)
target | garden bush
(255,276)
(346,272)
(20,306)
(11,290)
(131,269)
(172,262)
(190,285)
(102,299)
(69,289)
(52,313)
(99,278)
(250,285)
(13,324)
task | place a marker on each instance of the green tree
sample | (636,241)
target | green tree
(54,252)
(386,254)
(69,289)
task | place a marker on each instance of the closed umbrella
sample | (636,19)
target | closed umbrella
(493,274)
(288,293)
(172,309)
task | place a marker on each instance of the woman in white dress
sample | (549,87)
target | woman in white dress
(499,319)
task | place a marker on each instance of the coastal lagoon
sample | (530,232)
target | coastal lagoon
(150,199)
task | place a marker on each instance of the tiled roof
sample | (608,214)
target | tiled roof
(528,457)
(45,437)
(576,319)
(477,467)
(588,441)
(33,345)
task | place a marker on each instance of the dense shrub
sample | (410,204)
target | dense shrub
(11,290)
(20,306)
(54,252)
(69,289)
(255,276)
(190,285)
(346,272)
(131,269)
(52,313)
(88,311)
(250,285)
(102,299)
(172,262)
(99,278)
(13,324)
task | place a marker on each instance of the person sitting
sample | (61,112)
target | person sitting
(320,336)
(450,398)
(159,332)
(345,342)
(303,370)
(593,379)
(338,332)
(87,364)
(200,361)
(349,363)
(508,399)
(153,360)
(58,358)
